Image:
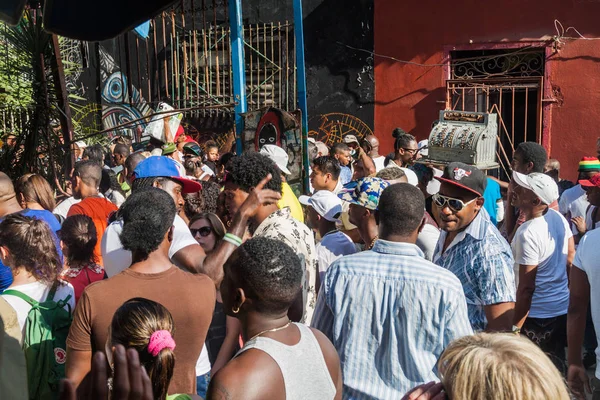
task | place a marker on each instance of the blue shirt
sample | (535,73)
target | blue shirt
(491,195)
(6,277)
(389,313)
(345,175)
(482,260)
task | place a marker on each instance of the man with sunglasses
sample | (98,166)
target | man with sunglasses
(472,248)
(406,150)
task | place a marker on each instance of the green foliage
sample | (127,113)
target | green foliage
(29,76)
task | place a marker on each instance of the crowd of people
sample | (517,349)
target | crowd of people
(189,272)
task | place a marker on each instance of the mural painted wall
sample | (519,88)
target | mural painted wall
(124,79)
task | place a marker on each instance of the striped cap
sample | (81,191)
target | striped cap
(589,164)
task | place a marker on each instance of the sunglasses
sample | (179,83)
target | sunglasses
(204,231)
(455,204)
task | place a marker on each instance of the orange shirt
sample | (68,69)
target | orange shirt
(98,209)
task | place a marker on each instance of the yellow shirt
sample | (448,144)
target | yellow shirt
(288,199)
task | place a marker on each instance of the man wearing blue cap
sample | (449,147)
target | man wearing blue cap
(185,252)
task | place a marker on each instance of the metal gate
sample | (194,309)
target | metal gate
(517,101)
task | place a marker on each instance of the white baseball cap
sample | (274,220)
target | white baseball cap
(325,203)
(278,155)
(351,139)
(542,185)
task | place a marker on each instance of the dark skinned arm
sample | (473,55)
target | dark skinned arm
(193,257)
(499,317)
(368,163)
(510,219)
(527,274)
(570,256)
(78,365)
(576,318)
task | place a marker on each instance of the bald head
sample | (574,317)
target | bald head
(372,139)
(370,145)
(7,189)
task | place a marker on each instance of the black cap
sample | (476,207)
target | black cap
(465,177)
(193,149)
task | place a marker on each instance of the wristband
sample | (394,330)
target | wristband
(234,240)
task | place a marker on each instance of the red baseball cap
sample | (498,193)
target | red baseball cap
(593,181)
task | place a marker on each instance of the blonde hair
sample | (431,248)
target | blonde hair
(499,367)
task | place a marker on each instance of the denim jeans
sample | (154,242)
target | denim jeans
(202,382)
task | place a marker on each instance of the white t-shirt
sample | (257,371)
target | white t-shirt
(379,163)
(331,247)
(589,222)
(203,364)
(427,240)
(116,258)
(544,241)
(207,170)
(573,202)
(39,292)
(586,259)
(63,208)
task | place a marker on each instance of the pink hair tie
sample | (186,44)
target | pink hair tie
(160,340)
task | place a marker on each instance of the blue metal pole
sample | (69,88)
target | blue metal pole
(301,83)
(238,67)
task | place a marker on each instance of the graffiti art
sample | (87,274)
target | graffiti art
(119,107)
(331,128)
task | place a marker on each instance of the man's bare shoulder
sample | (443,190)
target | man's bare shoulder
(251,375)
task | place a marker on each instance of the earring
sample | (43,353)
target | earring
(235,310)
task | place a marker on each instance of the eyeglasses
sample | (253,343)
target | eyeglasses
(455,204)
(204,231)
(411,151)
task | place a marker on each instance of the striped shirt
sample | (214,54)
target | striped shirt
(389,313)
(483,262)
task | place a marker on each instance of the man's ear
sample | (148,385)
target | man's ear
(240,298)
(423,222)
(170,234)
(479,203)
(4,253)
(156,184)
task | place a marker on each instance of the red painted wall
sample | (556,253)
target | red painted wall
(410,96)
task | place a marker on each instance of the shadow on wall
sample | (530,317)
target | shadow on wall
(423,112)
(340,79)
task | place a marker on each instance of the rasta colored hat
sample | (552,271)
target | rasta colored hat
(464,176)
(589,164)
(365,192)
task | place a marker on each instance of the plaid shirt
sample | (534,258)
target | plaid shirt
(389,313)
(482,260)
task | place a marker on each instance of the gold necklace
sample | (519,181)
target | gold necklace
(270,330)
(372,242)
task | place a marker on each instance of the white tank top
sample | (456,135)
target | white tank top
(302,365)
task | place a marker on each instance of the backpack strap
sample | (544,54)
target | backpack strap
(52,292)
(22,296)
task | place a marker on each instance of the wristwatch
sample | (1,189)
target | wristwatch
(516,330)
